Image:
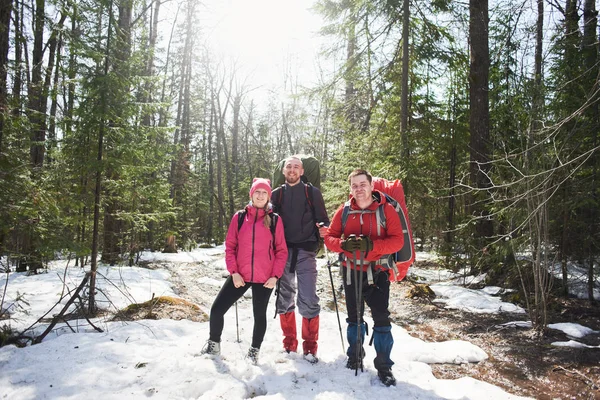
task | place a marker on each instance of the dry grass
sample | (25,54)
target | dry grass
(161,308)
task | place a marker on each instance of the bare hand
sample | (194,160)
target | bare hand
(270,283)
(322,229)
(238,281)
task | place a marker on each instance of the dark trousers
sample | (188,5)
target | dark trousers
(376,296)
(228,295)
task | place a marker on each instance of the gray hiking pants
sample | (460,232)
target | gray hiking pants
(306,275)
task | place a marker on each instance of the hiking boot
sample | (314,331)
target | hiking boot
(253,355)
(386,377)
(352,363)
(212,348)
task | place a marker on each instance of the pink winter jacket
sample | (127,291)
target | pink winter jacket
(249,252)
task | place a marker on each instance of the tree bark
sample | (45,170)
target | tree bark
(5,12)
(480,115)
(590,49)
(37,114)
(18,71)
(404,99)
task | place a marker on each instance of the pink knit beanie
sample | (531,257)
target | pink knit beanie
(261,183)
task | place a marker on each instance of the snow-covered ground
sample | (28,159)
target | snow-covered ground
(161,358)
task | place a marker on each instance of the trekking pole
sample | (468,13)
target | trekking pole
(277,288)
(357,290)
(334,297)
(237,325)
(360,301)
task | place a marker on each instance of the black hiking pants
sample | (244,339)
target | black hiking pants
(376,296)
(228,295)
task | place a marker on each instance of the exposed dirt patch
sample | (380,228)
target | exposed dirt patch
(519,361)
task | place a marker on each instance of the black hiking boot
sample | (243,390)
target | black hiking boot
(352,363)
(386,377)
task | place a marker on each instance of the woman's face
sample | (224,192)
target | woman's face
(260,197)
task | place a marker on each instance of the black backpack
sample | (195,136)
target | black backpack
(274,217)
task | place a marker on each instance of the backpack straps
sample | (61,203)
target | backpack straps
(241,217)
(277,197)
(379,214)
(273,227)
(381,223)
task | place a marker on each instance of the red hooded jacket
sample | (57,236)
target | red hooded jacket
(389,241)
(249,252)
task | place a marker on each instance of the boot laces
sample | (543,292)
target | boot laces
(253,355)
(211,347)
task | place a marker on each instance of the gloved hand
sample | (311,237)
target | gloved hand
(351,244)
(366,244)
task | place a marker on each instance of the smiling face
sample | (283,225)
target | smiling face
(292,171)
(361,188)
(260,197)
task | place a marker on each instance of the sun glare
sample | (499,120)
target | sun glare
(262,35)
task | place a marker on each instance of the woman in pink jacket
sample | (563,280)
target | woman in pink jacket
(255,254)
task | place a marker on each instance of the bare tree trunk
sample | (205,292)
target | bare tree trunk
(54,63)
(451,196)
(152,37)
(72,72)
(564,244)
(480,115)
(247,133)
(5,12)
(590,48)
(98,186)
(35,92)
(350,90)
(404,99)
(235,134)
(286,130)
(18,74)
(219,171)
(211,170)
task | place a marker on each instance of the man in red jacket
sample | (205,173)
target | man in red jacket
(366,246)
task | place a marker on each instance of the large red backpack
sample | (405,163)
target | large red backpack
(394,194)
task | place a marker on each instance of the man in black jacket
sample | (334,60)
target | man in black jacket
(302,209)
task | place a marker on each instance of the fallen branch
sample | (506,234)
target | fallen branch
(584,378)
(60,315)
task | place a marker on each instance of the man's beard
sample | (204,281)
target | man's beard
(292,179)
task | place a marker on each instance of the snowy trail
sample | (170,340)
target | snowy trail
(160,359)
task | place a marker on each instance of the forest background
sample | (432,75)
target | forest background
(121,130)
